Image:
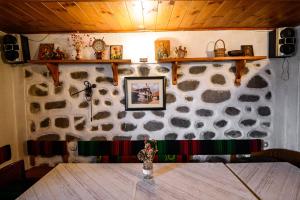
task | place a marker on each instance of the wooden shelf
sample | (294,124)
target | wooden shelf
(239,60)
(53,66)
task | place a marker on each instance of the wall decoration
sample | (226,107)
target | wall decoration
(99,47)
(181,52)
(162,49)
(116,52)
(145,93)
(79,41)
(46,51)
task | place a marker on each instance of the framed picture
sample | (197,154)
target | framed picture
(145,93)
(116,52)
(46,51)
(162,49)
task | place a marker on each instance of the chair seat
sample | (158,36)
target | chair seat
(36,173)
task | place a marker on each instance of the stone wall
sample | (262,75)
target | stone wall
(204,104)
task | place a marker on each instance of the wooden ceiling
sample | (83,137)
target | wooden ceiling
(36,16)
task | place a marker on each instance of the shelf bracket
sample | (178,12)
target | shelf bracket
(114,67)
(174,72)
(240,70)
(54,70)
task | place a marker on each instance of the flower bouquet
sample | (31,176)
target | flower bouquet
(147,155)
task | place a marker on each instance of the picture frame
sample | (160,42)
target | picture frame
(162,49)
(116,52)
(145,93)
(46,51)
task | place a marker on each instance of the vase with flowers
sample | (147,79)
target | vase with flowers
(146,155)
(78,42)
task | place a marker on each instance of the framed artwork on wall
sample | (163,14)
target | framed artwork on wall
(145,93)
(116,52)
(46,51)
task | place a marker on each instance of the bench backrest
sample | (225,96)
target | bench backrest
(5,153)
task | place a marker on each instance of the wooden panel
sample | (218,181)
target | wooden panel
(37,16)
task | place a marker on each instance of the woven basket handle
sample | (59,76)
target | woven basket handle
(219,40)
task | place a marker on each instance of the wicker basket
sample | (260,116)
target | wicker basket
(219,52)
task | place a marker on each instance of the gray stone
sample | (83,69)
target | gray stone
(121,138)
(77,118)
(80,126)
(248,98)
(158,113)
(59,89)
(126,71)
(39,90)
(79,75)
(197,69)
(94,128)
(189,98)
(98,138)
(170,98)
(208,135)
(35,107)
(27,74)
(232,111)
(189,136)
(162,69)
(100,69)
(102,79)
(248,122)
(144,71)
(48,137)
(257,134)
(233,134)
(83,104)
(107,127)
(264,111)
(265,124)
(122,114)
(71,138)
(153,125)
(218,79)
(215,96)
(32,127)
(45,123)
(115,92)
(72,91)
(183,109)
(128,127)
(233,70)
(55,105)
(204,113)
(248,108)
(143,137)
(268,96)
(257,65)
(122,101)
(103,91)
(180,122)
(138,115)
(217,65)
(189,85)
(268,71)
(108,103)
(171,136)
(96,102)
(257,82)
(101,115)
(199,125)
(62,122)
(221,123)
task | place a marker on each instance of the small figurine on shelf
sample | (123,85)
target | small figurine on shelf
(181,53)
(59,55)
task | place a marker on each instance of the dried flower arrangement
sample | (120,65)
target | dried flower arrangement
(79,41)
(147,154)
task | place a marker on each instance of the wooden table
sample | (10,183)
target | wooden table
(205,181)
(270,180)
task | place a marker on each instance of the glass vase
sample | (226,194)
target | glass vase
(148,169)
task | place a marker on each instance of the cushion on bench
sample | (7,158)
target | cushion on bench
(46,148)
(5,153)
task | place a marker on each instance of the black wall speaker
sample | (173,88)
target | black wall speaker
(282,42)
(15,48)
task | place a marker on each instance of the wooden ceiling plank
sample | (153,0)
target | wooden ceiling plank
(192,14)
(210,7)
(163,15)
(121,15)
(135,12)
(150,10)
(179,11)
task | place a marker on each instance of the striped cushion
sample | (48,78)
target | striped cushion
(46,148)
(168,150)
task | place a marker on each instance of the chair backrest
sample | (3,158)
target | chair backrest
(11,173)
(168,150)
(5,153)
